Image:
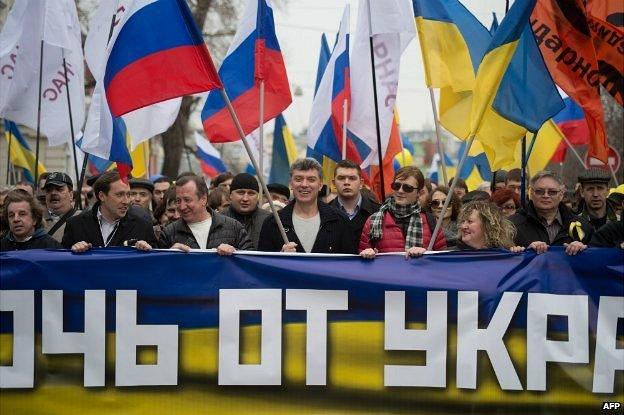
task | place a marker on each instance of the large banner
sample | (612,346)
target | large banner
(121,331)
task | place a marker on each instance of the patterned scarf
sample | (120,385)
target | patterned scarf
(414,234)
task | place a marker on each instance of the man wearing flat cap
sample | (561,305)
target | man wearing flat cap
(141,192)
(594,191)
(59,203)
(244,208)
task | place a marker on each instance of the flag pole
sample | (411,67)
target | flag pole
(261,149)
(83,171)
(523,173)
(615,180)
(576,154)
(447,201)
(241,134)
(71,130)
(436,121)
(9,156)
(372,55)
(187,152)
(39,115)
(345,108)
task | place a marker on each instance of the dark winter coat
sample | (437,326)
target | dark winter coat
(529,228)
(610,235)
(223,230)
(132,228)
(367,208)
(252,222)
(39,240)
(334,236)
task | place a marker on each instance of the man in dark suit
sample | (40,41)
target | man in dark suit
(111,222)
(350,200)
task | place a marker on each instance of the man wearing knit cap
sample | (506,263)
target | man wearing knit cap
(141,192)
(244,208)
(279,192)
(594,191)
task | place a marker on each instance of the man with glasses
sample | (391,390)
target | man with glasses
(310,224)
(112,221)
(546,221)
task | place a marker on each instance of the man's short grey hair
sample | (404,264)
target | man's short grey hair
(543,174)
(306,164)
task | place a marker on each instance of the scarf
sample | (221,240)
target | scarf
(414,234)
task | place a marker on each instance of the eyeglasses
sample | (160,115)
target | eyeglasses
(549,192)
(436,203)
(406,187)
(508,207)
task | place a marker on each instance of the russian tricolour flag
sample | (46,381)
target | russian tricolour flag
(156,53)
(253,57)
(209,157)
(327,117)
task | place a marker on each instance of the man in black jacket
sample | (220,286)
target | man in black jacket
(350,200)
(546,221)
(24,215)
(200,227)
(244,205)
(310,225)
(111,222)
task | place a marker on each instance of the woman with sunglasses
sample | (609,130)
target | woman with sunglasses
(434,204)
(400,225)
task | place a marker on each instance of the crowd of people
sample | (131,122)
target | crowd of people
(231,213)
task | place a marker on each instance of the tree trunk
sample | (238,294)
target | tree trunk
(173,138)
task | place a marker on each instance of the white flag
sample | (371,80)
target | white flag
(141,124)
(392,27)
(56,23)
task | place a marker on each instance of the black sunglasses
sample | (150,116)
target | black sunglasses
(406,187)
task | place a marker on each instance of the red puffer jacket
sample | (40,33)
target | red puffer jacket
(392,239)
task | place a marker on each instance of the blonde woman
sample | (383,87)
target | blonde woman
(483,226)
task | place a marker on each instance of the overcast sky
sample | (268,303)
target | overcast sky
(299,26)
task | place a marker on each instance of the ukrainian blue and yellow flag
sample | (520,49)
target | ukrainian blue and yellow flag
(284,152)
(496,60)
(452,42)
(20,153)
(513,92)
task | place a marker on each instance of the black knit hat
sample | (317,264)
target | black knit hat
(595,175)
(244,181)
(280,189)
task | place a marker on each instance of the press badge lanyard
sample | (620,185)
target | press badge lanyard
(110,236)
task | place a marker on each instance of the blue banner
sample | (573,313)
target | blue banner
(539,320)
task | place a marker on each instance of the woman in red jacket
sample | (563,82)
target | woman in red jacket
(399,225)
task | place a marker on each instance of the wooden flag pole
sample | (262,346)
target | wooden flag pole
(9,157)
(441,151)
(39,116)
(261,149)
(83,170)
(523,173)
(345,108)
(447,201)
(576,154)
(73,137)
(241,134)
(372,56)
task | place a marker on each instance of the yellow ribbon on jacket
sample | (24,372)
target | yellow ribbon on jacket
(579,230)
